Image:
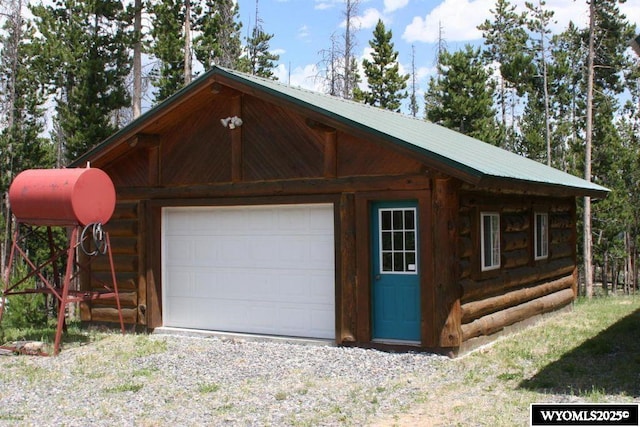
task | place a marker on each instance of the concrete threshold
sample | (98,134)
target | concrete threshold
(240,337)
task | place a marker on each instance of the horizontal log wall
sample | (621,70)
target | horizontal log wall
(522,287)
(123,234)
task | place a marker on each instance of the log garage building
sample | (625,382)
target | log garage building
(245,205)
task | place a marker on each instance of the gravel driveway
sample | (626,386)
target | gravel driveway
(139,380)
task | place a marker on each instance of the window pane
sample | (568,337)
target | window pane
(486,227)
(387,261)
(410,260)
(409,220)
(397,220)
(410,240)
(490,235)
(542,235)
(386,241)
(398,241)
(386,220)
(398,261)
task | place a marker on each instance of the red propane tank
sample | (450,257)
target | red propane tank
(77,196)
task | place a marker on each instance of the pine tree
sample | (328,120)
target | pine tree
(506,40)
(168,46)
(84,61)
(568,60)
(22,106)
(606,37)
(258,60)
(462,97)
(539,24)
(386,86)
(219,40)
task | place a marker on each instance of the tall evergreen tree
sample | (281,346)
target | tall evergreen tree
(218,42)
(386,86)
(21,104)
(259,60)
(167,46)
(606,37)
(462,97)
(538,24)
(84,61)
(506,40)
(568,60)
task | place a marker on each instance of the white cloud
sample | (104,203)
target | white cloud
(304,33)
(393,5)
(368,19)
(305,77)
(458,19)
(326,4)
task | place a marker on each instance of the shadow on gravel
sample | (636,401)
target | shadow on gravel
(608,363)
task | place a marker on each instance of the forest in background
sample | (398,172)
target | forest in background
(73,72)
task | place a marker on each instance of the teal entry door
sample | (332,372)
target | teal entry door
(396,273)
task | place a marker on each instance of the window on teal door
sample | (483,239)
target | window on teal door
(395,272)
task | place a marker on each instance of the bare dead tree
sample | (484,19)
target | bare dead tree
(351,10)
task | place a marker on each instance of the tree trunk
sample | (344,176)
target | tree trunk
(605,269)
(15,21)
(137,61)
(187,43)
(588,243)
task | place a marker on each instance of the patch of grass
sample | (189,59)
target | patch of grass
(10,417)
(77,334)
(595,352)
(145,372)
(145,346)
(123,388)
(510,376)
(208,388)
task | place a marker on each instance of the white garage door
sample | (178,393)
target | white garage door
(255,269)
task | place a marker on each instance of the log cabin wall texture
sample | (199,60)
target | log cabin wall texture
(123,234)
(523,287)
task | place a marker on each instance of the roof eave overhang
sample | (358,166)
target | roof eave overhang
(493,183)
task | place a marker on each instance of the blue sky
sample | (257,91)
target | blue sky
(302,28)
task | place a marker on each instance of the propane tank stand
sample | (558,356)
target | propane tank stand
(79,201)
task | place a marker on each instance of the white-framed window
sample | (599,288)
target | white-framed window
(398,233)
(490,240)
(541,234)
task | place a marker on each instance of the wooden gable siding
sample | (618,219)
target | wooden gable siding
(522,287)
(198,150)
(275,144)
(278,144)
(358,156)
(130,170)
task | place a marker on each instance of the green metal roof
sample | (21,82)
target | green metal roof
(469,156)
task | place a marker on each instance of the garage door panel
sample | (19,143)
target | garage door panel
(250,269)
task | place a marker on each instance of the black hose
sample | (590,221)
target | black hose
(98,238)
